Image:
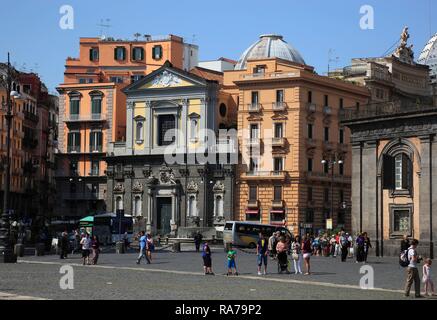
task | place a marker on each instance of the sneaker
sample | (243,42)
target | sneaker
(419,296)
(264,273)
(259,273)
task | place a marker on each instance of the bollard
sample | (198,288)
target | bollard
(119,247)
(39,249)
(176,247)
(19,250)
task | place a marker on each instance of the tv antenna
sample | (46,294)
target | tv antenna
(193,39)
(331,59)
(136,36)
(104,23)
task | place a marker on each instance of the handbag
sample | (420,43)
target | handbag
(295,256)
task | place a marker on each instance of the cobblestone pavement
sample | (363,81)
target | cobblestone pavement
(180,276)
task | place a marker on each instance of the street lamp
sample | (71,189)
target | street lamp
(5,241)
(331,164)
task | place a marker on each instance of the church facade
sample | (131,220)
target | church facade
(175,173)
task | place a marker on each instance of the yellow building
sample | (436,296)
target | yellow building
(287,125)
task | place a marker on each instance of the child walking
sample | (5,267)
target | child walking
(429,285)
(231,261)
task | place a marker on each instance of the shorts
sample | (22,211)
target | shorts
(207,262)
(261,258)
(231,264)
(85,253)
(306,255)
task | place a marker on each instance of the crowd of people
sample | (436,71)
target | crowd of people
(89,247)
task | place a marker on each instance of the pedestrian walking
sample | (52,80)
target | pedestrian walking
(351,246)
(344,245)
(77,238)
(296,254)
(232,265)
(426,278)
(412,271)
(262,252)
(332,243)
(63,245)
(206,256)
(306,250)
(337,245)
(143,254)
(281,249)
(95,246)
(86,243)
(150,246)
(367,246)
(198,240)
(360,248)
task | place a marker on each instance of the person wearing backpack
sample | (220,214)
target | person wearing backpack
(412,271)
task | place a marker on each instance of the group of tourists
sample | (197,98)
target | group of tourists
(89,247)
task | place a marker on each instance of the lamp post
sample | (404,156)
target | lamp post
(5,241)
(331,164)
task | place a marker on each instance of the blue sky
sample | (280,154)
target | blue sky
(221,28)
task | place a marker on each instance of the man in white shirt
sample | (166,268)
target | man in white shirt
(86,243)
(412,271)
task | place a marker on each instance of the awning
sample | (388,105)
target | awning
(87,219)
(254,212)
(277,211)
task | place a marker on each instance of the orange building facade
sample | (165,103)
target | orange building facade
(287,125)
(92,111)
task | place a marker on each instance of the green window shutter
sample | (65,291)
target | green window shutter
(70,139)
(115,53)
(124,53)
(142,54)
(92,139)
(99,139)
(91,54)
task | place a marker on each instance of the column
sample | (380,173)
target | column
(149,213)
(424,192)
(129,126)
(356,187)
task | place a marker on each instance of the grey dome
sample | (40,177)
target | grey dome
(269,46)
(429,57)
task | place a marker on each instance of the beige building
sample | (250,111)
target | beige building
(288,124)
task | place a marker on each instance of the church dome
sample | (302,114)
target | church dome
(429,57)
(269,46)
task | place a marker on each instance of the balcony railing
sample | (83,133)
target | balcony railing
(278,203)
(30,116)
(328,145)
(254,107)
(269,75)
(85,117)
(253,142)
(327,110)
(278,142)
(73,149)
(321,176)
(252,203)
(96,148)
(279,106)
(383,110)
(224,146)
(275,174)
(311,107)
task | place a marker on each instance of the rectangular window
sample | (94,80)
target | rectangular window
(310,194)
(96,141)
(74,106)
(96,105)
(278,130)
(253,165)
(253,193)
(310,97)
(326,100)
(310,131)
(166,123)
(310,165)
(278,164)
(341,103)
(326,167)
(95,168)
(73,144)
(398,172)
(309,216)
(120,53)
(401,221)
(277,193)
(341,192)
(326,134)
(279,96)
(157,52)
(341,168)
(94,54)
(341,136)
(116,79)
(259,69)
(137,54)
(255,97)
(254,132)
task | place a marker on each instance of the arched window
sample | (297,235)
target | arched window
(119,203)
(137,206)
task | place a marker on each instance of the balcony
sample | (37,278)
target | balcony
(30,116)
(326,177)
(278,142)
(311,143)
(328,145)
(264,175)
(253,142)
(311,107)
(278,204)
(327,111)
(73,149)
(94,117)
(252,203)
(279,106)
(224,146)
(254,107)
(82,196)
(96,149)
